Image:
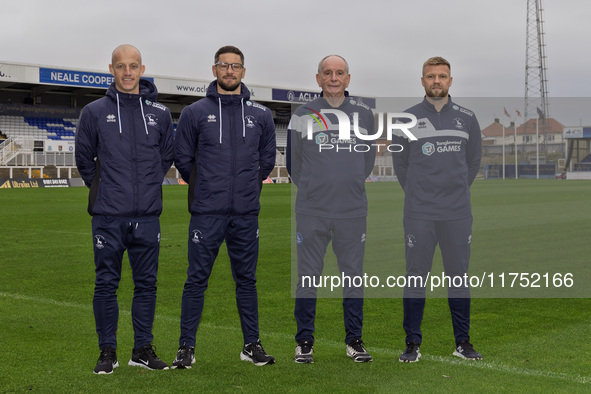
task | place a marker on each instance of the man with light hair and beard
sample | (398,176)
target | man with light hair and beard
(436,172)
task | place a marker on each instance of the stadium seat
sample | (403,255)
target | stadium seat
(51,128)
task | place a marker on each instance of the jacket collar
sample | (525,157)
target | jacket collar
(427,104)
(228,99)
(148,91)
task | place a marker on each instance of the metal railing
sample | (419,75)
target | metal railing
(9,149)
(27,152)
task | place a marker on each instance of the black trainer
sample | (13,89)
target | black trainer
(465,350)
(107,361)
(304,351)
(411,354)
(357,351)
(184,358)
(255,353)
(145,357)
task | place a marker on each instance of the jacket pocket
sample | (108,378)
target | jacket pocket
(94,188)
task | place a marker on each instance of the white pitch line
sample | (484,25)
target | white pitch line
(69,232)
(495,366)
(490,365)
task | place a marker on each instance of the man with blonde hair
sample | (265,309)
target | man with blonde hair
(436,172)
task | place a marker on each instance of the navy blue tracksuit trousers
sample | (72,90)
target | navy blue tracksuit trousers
(421,238)
(348,243)
(112,236)
(206,235)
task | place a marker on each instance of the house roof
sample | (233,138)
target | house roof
(495,129)
(552,126)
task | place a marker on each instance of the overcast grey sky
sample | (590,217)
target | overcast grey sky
(384,41)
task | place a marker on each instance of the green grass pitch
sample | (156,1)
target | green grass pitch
(530,344)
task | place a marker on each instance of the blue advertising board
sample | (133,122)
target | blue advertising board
(76,78)
(302,96)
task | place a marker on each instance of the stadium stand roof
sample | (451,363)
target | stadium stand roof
(74,88)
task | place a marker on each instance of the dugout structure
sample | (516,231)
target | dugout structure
(578,159)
